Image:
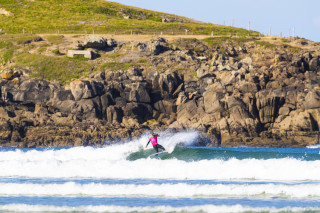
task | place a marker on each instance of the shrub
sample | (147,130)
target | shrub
(7,55)
(56,51)
(143,60)
(25,39)
(285,40)
(114,66)
(265,44)
(5,44)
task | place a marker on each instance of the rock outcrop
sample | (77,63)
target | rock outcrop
(243,95)
(5,12)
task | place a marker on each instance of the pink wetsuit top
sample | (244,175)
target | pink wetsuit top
(154,141)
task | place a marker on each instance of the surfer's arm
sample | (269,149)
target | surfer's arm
(147,144)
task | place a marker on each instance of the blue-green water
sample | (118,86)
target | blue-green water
(122,178)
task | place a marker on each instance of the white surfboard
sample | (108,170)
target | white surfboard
(158,155)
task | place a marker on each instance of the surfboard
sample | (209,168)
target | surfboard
(158,155)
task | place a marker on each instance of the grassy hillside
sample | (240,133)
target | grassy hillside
(100,16)
(45,57)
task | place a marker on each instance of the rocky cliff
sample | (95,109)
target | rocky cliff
(235,91)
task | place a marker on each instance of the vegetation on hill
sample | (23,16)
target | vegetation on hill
(42,56)
(100,16)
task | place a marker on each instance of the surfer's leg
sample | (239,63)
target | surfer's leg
(156,148)
(161,147)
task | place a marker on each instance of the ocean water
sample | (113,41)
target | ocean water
(122,178)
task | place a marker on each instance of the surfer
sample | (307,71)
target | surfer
(154,142)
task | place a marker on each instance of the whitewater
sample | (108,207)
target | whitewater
(122,178)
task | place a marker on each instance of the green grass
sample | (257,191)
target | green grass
(6,51)
(181,69)
(218,41)
(54,68)
(80,57)
(194,74)
(43,48)
(285,40)
(6,55)
(143,60)
(25,39)
(55,39)
(265,44)
(291,48)
(152,121)
(84,16)
(114,55)
(161,67)
(9,40)
(56,52)
(114,66)
(5,44)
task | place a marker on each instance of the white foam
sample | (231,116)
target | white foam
(111,162)
(204,208)
(315,146)
(180,190)
(98,164)
(114,152)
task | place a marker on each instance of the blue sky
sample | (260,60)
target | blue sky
(280,15)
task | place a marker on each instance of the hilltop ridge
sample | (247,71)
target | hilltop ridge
(99,16)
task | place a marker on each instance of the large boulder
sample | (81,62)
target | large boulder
(59,94)
(139,111)
(313,64)
(166,106)
(204,73)
(182,98)
(158,46)
(168,83)
(114,114)
(29,91)
(95,42)
(153,78)
(187,111)
(212,102)
(138,93)
(312,100)
(268,104)
(66,106)
(111,42)
(87,108)
(246,87)
(5,131)
(106,101)
(247,60)
(82,89)
(9,74)
(308,120)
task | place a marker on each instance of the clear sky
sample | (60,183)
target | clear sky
(280,15)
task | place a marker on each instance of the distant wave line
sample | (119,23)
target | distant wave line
(72,189)
(204,208)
